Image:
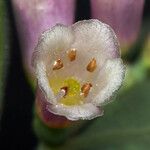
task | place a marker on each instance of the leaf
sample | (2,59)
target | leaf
(125,125)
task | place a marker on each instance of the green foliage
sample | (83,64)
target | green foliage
(55,137)
(125,125)
(49,136)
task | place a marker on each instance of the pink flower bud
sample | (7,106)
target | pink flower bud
(124,16)
(35,16)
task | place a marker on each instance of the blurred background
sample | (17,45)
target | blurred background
(126,124)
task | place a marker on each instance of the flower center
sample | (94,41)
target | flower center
(73,94)
(68,90)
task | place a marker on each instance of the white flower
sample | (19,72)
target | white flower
(78,68)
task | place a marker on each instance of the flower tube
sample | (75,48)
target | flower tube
(78,69)
(35,16)
(124,16)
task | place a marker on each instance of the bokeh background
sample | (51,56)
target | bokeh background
(126,124)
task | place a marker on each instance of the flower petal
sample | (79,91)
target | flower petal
(44,83)
(53,42)
(97,39)
(47,51)
(86,111)
(114,72)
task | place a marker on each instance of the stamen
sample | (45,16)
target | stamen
(85,89)
(72,54)
(58,64)
(92,65)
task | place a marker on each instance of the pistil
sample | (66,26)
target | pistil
(65,89)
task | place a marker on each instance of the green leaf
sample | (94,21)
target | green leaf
(125,125)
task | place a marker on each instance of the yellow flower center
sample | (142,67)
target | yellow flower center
(73,96)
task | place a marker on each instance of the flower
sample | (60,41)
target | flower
(78,68)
